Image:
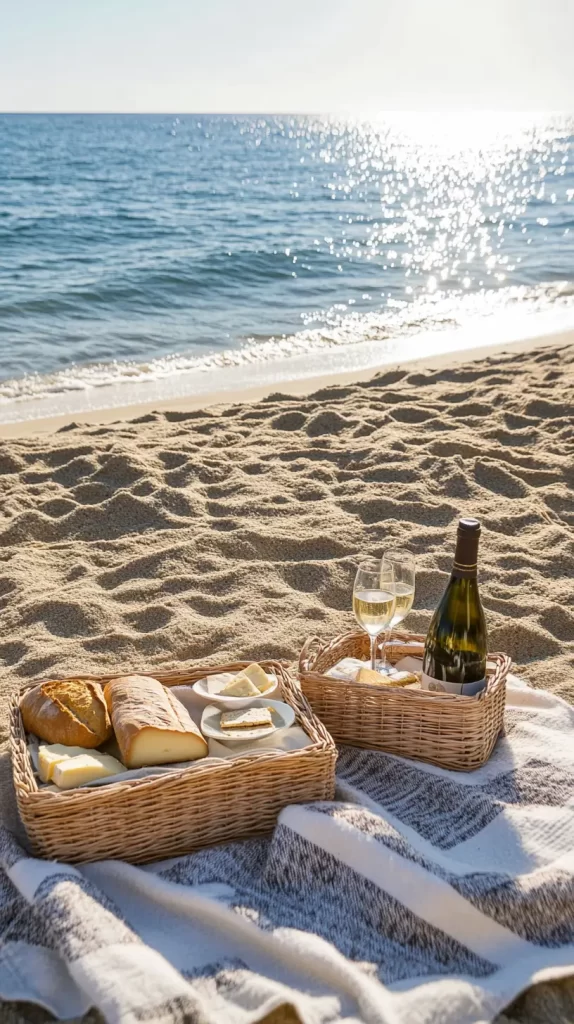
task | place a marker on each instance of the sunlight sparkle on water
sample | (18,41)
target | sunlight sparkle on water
(451,189)
(236,240)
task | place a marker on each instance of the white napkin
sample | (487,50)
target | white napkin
(293,738)
(347,668)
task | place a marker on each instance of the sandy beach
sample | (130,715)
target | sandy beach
(234,531)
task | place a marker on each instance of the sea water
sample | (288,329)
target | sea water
(151,248)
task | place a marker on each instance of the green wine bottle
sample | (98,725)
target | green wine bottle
(455,649)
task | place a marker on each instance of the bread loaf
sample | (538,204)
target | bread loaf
(72,712)
(151,725)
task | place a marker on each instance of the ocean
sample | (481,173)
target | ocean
(139,248)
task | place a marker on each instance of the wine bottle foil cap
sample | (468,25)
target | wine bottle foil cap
(465,557)
(469,526)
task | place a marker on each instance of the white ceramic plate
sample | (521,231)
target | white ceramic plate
(208,689)
(282,715)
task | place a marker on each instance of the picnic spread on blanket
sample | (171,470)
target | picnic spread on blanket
(384,835)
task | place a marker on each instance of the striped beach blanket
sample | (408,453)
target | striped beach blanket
(419,895)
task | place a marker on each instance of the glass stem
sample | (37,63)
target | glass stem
(373,652)
(385,665)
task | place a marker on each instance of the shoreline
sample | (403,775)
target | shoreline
(301,383)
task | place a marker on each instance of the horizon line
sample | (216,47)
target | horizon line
(462,111)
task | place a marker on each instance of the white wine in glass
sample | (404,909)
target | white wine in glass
(405,596)
(374,600)
(403,563)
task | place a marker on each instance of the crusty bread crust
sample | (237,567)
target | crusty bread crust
(72,712)
(142,708)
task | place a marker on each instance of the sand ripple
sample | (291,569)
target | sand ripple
(235,531)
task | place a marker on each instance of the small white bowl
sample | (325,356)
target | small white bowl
(282,714)
(203,689)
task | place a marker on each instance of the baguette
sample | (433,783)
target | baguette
(151,725)
(72,712)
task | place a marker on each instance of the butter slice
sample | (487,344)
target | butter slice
(50,756)
(258,676)
(240,686)
(88,767)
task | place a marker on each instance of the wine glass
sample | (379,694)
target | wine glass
(374,599)
(403,563)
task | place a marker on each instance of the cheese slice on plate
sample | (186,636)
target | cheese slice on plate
(258,676)
(247,718)
(87,767)
(241,686)
(51,755)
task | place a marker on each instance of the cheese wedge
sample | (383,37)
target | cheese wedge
(258,677)
(88,767)
(247,718)
(241,686)
(50,756)
(368,675)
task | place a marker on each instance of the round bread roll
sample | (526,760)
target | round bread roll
(72,712)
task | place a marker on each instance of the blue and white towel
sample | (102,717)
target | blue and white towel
(421,896)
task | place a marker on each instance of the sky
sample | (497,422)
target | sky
(297,56)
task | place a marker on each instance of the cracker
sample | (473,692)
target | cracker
(246,718)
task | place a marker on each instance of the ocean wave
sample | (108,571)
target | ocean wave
(137,247)
(217,273)
(339,328)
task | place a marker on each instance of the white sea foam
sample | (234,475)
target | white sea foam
(340,329)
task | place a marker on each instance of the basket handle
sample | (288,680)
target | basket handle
(300,702)
(501,670)
(309,653)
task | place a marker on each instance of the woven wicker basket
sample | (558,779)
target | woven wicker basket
(148,819)
(443,729)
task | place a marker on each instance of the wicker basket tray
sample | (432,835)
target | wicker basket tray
(148,819)
(443,729)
